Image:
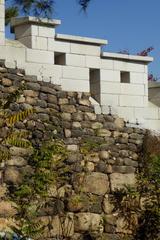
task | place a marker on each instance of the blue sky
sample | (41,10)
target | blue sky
(131,25)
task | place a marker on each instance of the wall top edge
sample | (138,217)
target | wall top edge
(127,57)
(79,39)
(34,20)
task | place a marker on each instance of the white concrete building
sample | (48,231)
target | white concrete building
(117,82)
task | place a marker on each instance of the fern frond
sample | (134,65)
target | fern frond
(18,116)
(23,143)
(33,229)
(4,154)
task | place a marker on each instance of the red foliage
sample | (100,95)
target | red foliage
(145,51)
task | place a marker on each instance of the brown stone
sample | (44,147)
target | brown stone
(90,116)
(6,82)
(62,226)
(63,101)
(78,116)
(3,191)
(31,100)
(72,148)
(119,180)
(97,125)
(84,102)
(119,123)
(76,125)
(103,132)
(68,108)
(7,209)
(87,222)
(12,175)
(17,151)
(16,161)
(96,183)
(104,155)
(52,99)
(93,157)
(107,205)
(66,116)
(90,166)
(67,133)
(30,93)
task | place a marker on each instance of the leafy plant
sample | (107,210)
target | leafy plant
(141,206)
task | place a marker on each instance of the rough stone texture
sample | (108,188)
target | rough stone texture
(87,221)
(119,180)
(96,183)
(102,156)
(7,209)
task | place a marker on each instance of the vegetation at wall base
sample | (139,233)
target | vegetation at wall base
(141,205)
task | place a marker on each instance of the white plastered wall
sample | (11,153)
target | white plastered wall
(35,50)
(2,28)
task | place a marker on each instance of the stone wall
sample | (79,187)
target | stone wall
(110,164)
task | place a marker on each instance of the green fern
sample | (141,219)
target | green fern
(11,120)
(4,154)
(23,143)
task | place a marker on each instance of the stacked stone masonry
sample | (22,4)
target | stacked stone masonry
(95,175)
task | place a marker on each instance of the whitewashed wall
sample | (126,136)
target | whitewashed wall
(37,46)
(2,29)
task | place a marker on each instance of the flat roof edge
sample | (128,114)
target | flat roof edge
(34,20)
(79,39)
(127,57)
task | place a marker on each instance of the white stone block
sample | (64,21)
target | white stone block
(46,32)
(2,10)
(138,78)
(97,109)
(146,90)
(54,72)
(10,64)
(84,49)
(75,60)
(58,46)
(147,113)
(132,89)
(106,64)
(131,101)
(110,87)
(146,69)
(75,85)
(145,100)
(127,113)
(1,24)
(152,124)
(40,43)
(2,38)
(39,56)
(128,66)
(12,54)
(109,109)
(109,99)
(26,31)
(109,75)
(27,41)
(75,73)
(93,62)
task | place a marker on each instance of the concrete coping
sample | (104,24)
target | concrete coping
(79,39)
(128,57)
(34,20)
